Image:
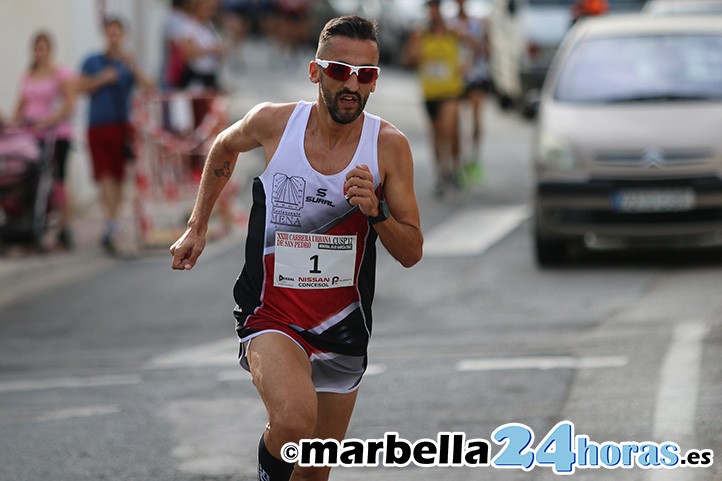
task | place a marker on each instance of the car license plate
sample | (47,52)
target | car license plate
(654,200)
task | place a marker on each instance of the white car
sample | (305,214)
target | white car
(675,7)
(628,150)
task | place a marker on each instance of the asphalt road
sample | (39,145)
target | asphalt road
(128,371)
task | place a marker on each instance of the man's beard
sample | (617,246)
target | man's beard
(339,116)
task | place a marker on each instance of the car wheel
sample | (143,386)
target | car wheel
(551,252)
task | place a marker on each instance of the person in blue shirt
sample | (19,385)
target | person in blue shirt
(108,78)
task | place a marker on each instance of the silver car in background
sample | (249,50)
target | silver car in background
(628,146)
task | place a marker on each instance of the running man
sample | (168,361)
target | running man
(435,51)
(336,178)
(474,32)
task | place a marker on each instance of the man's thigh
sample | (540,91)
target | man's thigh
(274,357)
(447,118)
(281,373)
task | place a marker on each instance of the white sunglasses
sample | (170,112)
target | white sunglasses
(342,71)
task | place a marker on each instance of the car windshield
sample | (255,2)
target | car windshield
(648,68)
(617,5)
(552,2)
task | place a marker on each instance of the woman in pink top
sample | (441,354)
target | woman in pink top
(45,105)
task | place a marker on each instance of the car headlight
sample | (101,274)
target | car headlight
(556,154)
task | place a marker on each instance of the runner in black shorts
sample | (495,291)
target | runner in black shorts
(434,107)
(436,53)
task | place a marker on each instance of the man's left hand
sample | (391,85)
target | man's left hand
(359,190)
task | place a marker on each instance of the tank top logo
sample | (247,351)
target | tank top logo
(320,198)
(287,199)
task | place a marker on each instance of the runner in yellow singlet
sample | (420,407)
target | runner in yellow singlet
(436,52)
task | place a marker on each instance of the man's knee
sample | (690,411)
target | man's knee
(292,424)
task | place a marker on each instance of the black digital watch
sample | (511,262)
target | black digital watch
(383,213)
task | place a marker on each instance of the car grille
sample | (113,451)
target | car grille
(648,158)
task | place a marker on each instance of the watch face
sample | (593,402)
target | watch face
(383,213)
(384,209)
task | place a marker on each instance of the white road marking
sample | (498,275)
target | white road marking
(679,383)
(46,273)
(375,369)
(242,375)
(14,415)
(69,383)
(473,232)
(234,375)
(80,412)
(561,362)
(215,437)
(677,395)
(217,353)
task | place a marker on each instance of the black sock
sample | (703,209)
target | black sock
(271,468)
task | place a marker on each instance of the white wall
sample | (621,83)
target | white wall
(74,25)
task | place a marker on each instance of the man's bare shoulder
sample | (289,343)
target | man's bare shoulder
(270,114)
(264,123)
(391,140)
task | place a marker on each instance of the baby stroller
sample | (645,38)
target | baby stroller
(26,183)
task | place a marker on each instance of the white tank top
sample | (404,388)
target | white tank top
(298,197)
(310,255)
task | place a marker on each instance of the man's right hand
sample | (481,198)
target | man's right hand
(187,249)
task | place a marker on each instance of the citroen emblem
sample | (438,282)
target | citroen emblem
(652,157)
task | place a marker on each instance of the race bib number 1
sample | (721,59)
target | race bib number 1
(314,261)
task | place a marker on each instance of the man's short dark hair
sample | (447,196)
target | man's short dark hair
(110,21)
(352,26)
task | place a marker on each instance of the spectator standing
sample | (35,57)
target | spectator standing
(108,78)
(291,31)
(201,46)
(436,52)
(239,18)
(173,62)
(474,32)
(45,104)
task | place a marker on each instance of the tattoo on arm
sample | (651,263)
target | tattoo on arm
(225,171)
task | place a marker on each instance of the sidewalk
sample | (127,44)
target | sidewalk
(24,270)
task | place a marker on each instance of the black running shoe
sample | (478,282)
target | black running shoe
(65,237)
(108,246)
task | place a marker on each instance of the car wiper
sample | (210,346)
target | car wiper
(664,97)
